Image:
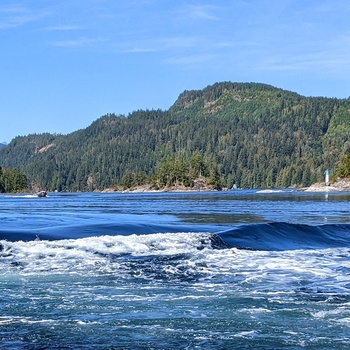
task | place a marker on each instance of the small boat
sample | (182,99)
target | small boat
(41,194)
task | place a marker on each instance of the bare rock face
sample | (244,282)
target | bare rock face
(343,184)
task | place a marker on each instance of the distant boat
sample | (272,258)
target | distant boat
(41,194)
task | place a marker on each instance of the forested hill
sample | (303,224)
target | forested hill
(254,135)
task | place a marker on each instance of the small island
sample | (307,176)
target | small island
(176,173)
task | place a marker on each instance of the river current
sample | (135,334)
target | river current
(202,270)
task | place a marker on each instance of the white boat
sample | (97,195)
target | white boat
(41,194)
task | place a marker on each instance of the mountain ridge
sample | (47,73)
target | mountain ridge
(256,135)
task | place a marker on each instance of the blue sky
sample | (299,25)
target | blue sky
(66,63)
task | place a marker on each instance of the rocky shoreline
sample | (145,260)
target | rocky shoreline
(338,185)
(198,185)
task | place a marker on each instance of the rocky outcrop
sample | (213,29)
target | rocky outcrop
(338,185)
(199,184)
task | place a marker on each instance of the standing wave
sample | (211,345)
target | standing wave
(281,236)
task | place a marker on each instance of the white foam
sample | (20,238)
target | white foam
(22,196)
(52,255)
(246,334)
(330,313)
(18,319)
(276,274)
(269,191)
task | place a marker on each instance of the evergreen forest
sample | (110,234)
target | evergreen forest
(12,181)
(246,135)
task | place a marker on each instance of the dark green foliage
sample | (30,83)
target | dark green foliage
(343,169)
(251,135)
(179,170)
(12,180)
(134,179)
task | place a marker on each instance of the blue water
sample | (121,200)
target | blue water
(229,270)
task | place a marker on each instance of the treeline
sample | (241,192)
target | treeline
(250,135)
(12,180)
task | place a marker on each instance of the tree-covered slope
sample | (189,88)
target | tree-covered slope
(12,180)
(254,135)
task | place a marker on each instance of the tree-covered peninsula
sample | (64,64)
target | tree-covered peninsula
(246,134)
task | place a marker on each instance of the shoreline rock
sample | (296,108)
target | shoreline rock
(198,187)
(336,186)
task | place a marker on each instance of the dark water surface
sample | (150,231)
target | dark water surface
(236,269)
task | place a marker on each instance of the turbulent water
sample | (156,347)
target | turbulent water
(230,270)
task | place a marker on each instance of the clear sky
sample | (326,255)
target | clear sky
(65,63)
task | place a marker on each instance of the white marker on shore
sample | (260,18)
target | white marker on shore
(326,177)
